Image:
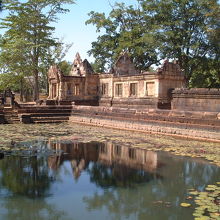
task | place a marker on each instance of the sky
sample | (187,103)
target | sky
(71,26)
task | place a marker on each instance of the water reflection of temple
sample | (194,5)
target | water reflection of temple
(116,156)
(127,156)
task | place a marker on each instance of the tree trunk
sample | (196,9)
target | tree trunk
(36,87)
(35,72)
(47,86)
(21,91)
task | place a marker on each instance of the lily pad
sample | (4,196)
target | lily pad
(184,204)
(208,203)
(194,193)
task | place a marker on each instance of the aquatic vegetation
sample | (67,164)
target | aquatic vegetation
(66,131)
(207,203)
(13,139)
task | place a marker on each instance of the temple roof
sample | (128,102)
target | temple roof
(54,72)
(124,66)
(170,68)
(80,68)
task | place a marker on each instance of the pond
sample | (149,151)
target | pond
(99,180)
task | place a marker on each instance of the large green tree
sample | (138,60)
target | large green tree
(29,35)
(123,30)
(54,54)
(187,30)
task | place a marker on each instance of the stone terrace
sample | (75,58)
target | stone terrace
(183,123)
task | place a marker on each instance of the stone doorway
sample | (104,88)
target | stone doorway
(54,91)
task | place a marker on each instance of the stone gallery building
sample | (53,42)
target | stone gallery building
(123,86)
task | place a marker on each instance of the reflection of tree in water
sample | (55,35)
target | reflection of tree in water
(191,171)
(117,175)
(141,202)
(116,202)
(21,208)
(25,176)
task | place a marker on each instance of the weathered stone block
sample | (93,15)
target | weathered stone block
(2,119)
(25,118)
(51,102)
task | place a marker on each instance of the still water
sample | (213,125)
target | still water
(100,181)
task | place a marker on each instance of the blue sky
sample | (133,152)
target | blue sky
(72,28)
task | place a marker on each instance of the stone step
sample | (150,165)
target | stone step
(43,114)
(43,108)
(46,112)
(8,109)
(12,122)
(49,114)
(12,118)
(50,121)
(10,113)
(49,118)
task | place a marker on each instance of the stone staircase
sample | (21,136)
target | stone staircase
(11,115)
(2,118)
(46,114)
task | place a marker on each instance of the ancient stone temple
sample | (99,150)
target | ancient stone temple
(123,86)
(80,86)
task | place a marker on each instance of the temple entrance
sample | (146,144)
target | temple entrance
(54,91)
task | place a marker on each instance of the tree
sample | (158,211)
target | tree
(65,67)
(29,35)
(97,66)
(18,77)
(207,75)
(186,30)
(14,67)
(54,54)
(123,31)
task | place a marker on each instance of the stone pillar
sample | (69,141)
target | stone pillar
(61,91)
(57,91)
(50,91)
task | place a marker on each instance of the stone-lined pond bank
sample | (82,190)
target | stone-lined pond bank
(196,125)
(161,128)
(187,124)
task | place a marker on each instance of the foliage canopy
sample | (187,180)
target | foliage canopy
(153,30)
(25,46)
